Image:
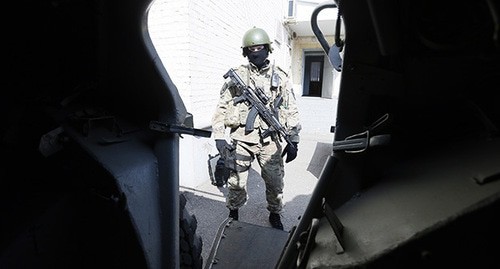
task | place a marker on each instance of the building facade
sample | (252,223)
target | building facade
(198,41)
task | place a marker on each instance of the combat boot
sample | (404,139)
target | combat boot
(233,213)
(275,220)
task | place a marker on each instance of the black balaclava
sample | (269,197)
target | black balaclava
(258,58)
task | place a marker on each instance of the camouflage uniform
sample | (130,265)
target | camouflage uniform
(253,145)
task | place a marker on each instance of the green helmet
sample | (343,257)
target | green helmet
(256,36)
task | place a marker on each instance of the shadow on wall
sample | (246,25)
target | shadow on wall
(318,158)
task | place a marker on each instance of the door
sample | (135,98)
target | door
(313,75)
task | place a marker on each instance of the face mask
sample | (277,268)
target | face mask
(258,58)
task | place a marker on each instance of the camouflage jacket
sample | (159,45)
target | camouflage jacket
(234,116)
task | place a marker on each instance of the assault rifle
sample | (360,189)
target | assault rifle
(257,100)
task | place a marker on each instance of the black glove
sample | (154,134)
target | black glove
(291,153)
(220,144)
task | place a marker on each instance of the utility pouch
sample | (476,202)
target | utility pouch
(232,117)
(275,81)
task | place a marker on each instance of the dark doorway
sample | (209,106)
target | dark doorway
(313,75)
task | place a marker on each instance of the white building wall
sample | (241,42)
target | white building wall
(198,41)
(168,35)
(304,9)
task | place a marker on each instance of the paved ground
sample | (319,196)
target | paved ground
(207,201)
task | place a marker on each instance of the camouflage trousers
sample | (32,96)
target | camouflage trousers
(268,155)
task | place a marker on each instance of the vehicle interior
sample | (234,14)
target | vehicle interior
(413,180)
(90,141)
(92,121)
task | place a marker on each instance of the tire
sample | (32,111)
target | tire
(190,244)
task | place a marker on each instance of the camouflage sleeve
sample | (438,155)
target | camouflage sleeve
(218,127)
(291,112)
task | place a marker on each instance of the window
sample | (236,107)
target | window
(291,9)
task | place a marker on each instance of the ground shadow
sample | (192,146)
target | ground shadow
(318,158)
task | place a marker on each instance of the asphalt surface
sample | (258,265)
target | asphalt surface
(207,201)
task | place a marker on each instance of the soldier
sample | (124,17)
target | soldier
(259,72)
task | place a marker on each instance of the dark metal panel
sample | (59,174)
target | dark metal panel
(246,246)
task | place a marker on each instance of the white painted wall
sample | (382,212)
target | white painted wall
(306,7)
